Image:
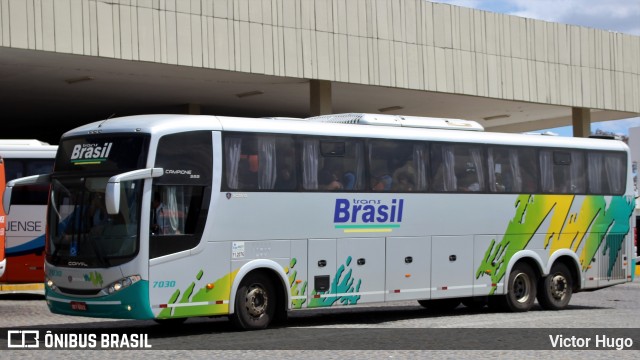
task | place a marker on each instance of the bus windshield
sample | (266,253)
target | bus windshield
(80,230)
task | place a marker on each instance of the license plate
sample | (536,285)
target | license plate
(78,306)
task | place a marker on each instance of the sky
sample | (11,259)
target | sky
(614,15)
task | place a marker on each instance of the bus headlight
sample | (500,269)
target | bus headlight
(123,283)
(50,284)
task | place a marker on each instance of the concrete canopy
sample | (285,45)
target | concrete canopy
(513,76)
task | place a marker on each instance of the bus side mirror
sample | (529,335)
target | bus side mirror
(112,192)
(6,199)
(24,181)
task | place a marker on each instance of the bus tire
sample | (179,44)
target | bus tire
(255,303)
(555,289)
(521,288)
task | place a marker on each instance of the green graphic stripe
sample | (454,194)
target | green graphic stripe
(88,160)
(367,226)
(582,231)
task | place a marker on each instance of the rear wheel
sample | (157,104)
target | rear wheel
(522,288)
(255,303)
(555,290)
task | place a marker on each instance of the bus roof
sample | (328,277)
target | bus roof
(399,120)
(26,148)
(22,142)
(169,123)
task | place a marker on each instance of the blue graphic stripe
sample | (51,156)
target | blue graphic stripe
(35,245)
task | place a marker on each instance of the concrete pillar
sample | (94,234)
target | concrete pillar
(581,119)
(320,92)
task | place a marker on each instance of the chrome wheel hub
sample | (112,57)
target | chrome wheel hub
(558,286)
(256,301)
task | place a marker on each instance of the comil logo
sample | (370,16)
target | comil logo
(90,154)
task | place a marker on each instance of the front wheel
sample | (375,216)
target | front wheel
(521,288)
(555,290)
(255,303)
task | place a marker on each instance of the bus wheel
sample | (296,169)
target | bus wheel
(255,303)
(440,304)
(555,290)
(522,288)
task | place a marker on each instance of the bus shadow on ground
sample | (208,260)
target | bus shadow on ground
(348,328)
(21,296)
(343,317)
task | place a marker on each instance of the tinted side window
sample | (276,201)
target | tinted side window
(332,164)
(458,167)
(259,162)
(562,171)
(606,172)
(512,169)
(398,166)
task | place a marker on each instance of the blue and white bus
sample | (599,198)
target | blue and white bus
(252,218)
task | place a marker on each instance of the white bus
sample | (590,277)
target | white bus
(22,234)
(251,218)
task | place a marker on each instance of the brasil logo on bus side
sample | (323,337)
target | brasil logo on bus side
(364,215)
(90,154)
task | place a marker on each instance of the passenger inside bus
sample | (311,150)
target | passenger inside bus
(247,174)
(470,182)
(404,177)
(404,183)
(329,180)
(349,179)
(159,221)
(285,179)
(382,181)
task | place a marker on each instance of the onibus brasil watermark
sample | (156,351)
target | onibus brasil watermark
(32,339)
